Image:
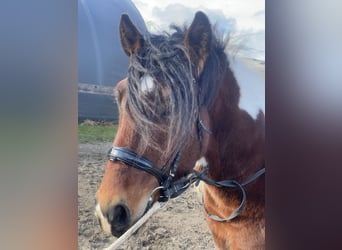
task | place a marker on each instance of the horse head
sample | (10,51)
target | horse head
(162,113)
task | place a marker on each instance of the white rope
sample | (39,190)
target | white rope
(135,227)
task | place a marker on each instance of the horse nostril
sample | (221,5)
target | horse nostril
(119,218)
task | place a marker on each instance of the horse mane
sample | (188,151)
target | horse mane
(172,108)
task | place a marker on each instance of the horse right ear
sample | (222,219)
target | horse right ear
(131,39)
(198,39)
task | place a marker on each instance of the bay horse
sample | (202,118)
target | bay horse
(181,121)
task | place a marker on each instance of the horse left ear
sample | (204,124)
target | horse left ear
(198,39)
(131,38)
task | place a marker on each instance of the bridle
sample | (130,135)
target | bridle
(168,187)
(166,183)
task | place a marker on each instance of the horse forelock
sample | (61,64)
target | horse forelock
(171,107)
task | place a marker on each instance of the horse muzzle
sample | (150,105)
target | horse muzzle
(115,220)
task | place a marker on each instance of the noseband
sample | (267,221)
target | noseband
(169,189)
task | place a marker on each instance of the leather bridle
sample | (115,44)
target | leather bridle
(165,181)
(168,187)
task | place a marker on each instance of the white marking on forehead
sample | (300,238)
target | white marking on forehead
(147,84)
(202,162)
(252,87)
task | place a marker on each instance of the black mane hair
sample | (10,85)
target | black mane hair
(172,108)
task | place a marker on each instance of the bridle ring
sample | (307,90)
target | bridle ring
(150,199)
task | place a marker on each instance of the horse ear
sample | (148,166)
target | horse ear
(131,39)
(198,39)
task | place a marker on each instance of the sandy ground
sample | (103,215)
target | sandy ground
(180,225)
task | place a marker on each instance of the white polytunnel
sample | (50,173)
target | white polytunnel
(101,60)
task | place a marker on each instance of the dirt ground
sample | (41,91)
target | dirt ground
(180,225)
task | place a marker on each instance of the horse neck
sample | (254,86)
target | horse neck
(236,148)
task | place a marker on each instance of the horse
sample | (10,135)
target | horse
(180,121)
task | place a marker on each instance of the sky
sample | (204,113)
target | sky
(243,20)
